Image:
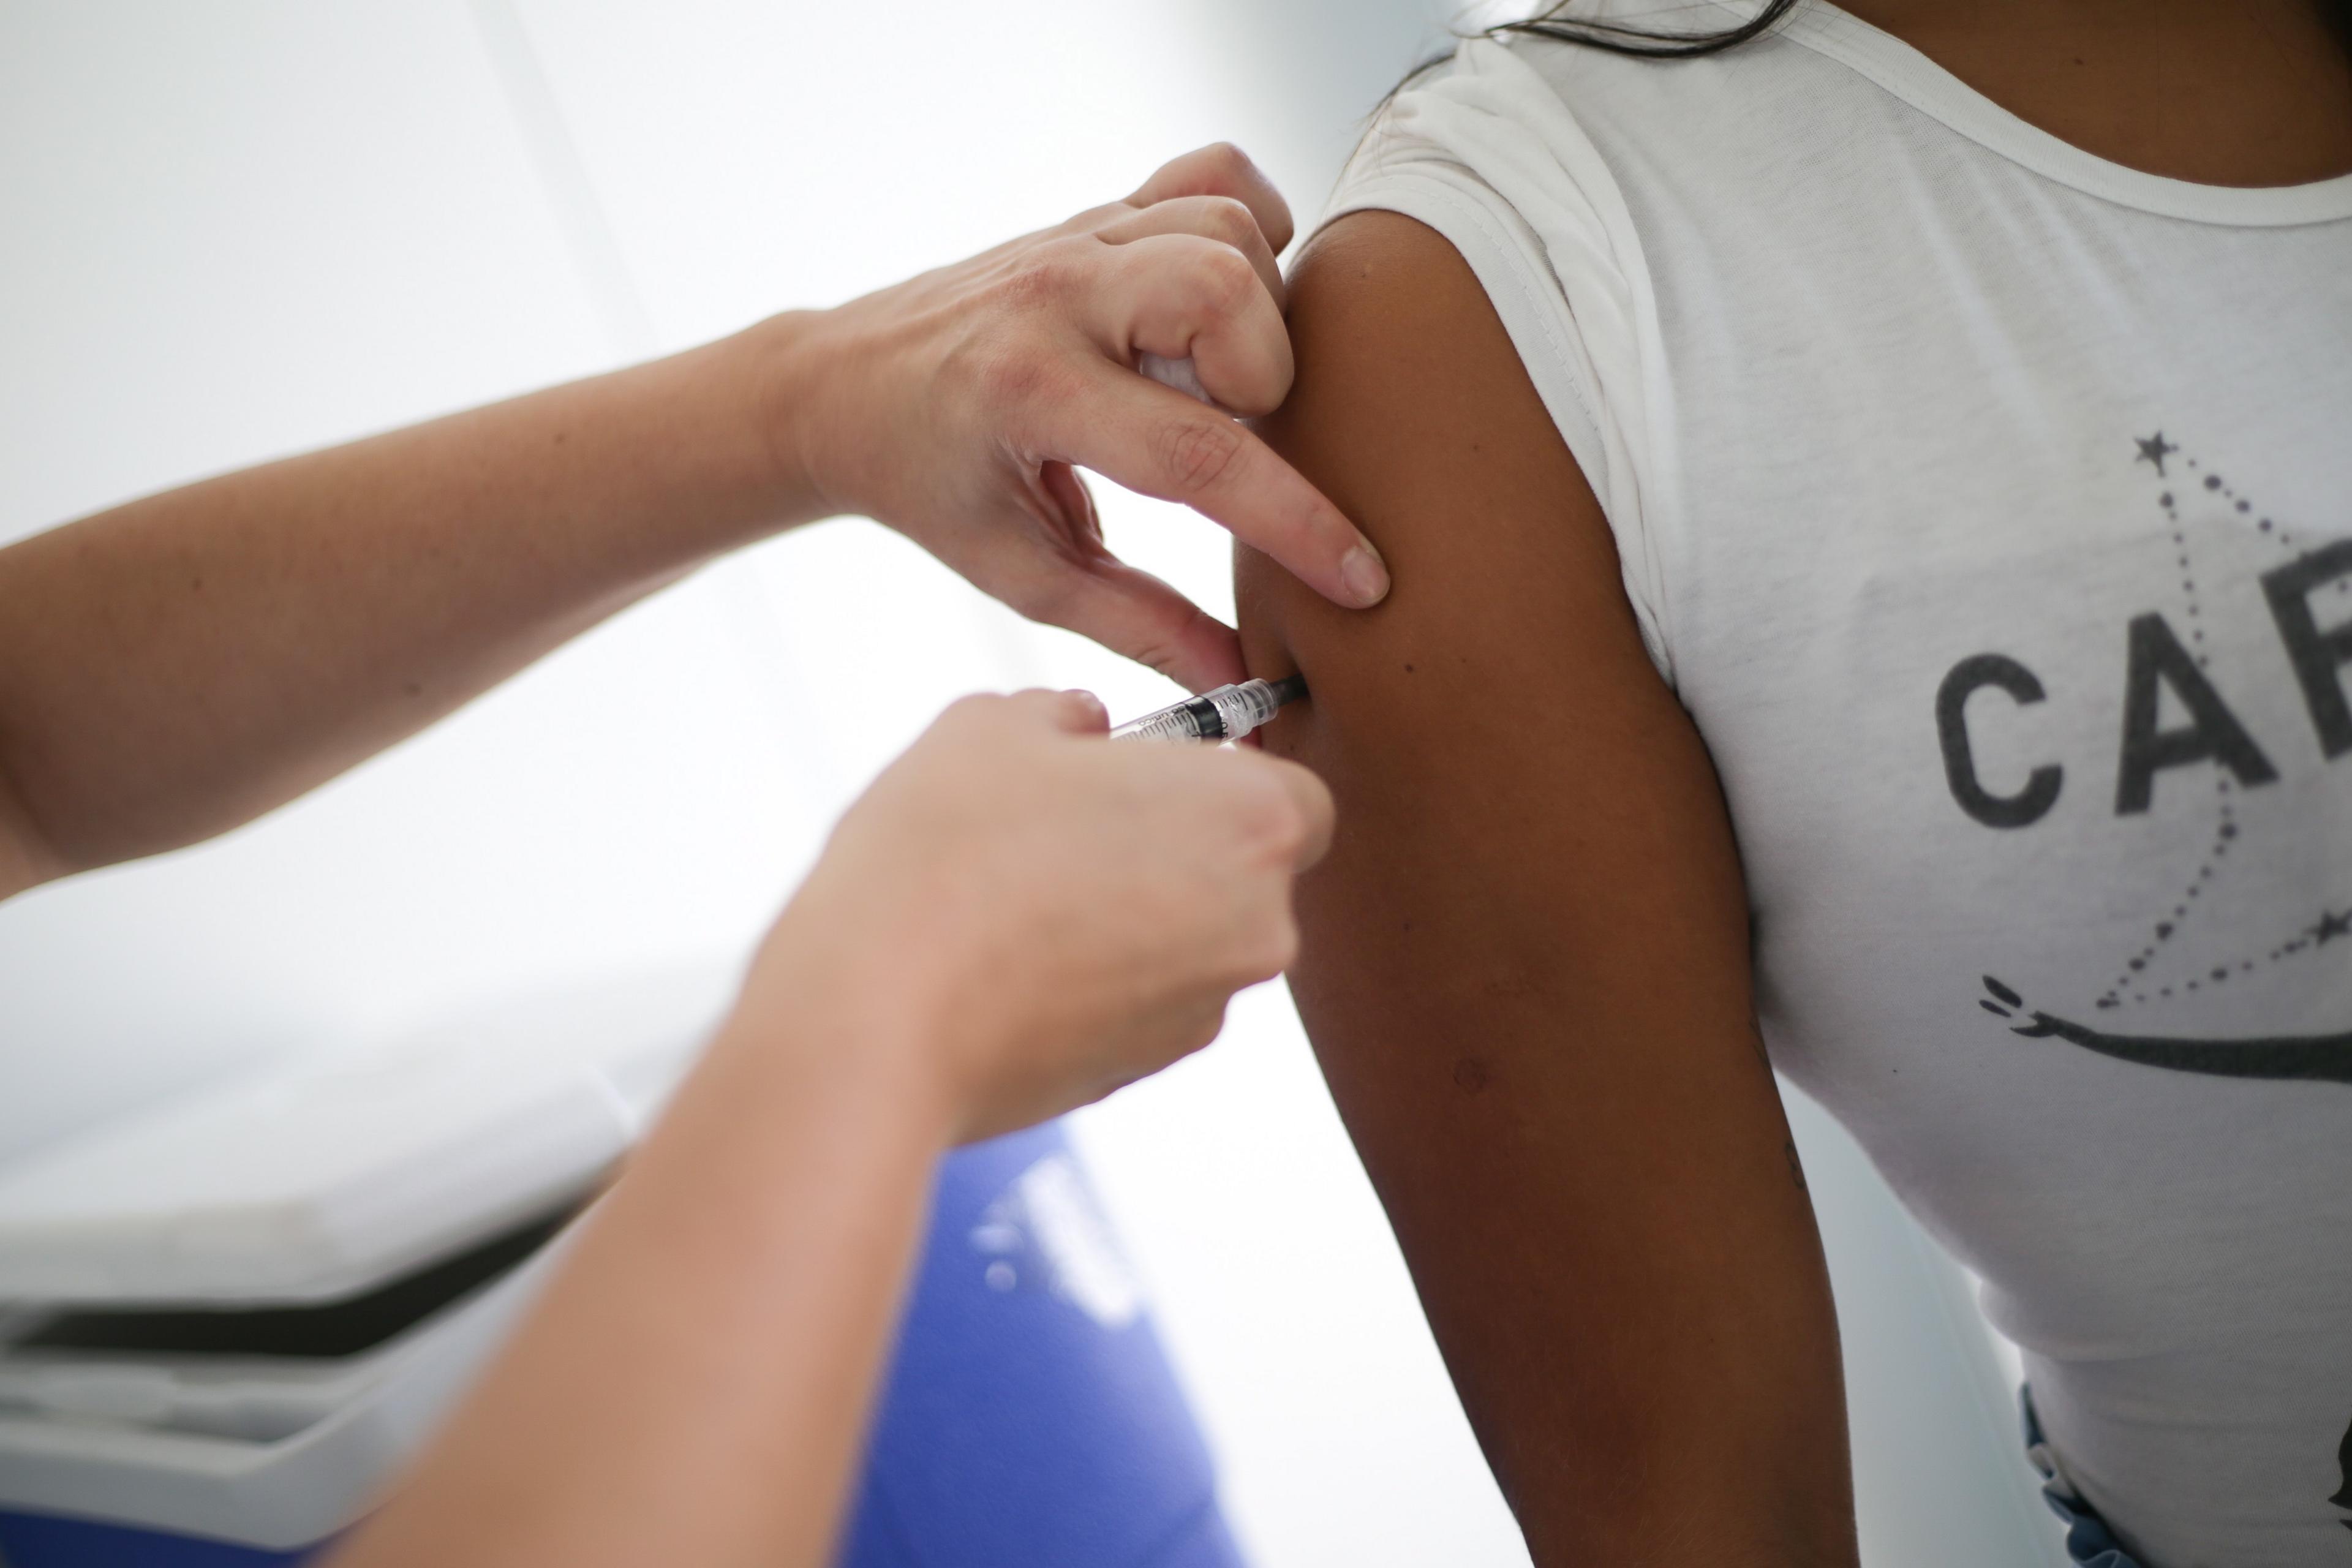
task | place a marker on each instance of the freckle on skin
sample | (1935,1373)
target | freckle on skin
(416,688)
(1408,669)
(1470,1075)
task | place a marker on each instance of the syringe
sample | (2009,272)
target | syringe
(1227,714)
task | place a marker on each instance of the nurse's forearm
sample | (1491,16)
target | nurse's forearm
(178,665)
(695,1385)
(994,936)
(174,667)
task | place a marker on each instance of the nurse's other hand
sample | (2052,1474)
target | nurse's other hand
(1020,917)
(956,409)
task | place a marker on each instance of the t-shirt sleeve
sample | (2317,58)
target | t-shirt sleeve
(1487,154)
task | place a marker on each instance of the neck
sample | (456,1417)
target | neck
(2222,92)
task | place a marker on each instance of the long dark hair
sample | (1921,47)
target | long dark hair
(1619,39)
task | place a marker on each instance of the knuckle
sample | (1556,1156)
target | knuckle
(1286,830)
(1225,162)
(1268,818)
(1258,385)
(1197,455)
(976,709)
(1225,219)
(1321,810)
(1227,281)
(963,723)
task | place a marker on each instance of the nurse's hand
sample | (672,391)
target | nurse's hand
(956,409)
(1017,918)
(1024,917)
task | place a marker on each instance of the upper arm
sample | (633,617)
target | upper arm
(1526,959)
(26,861)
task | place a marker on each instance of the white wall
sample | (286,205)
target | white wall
(242,228)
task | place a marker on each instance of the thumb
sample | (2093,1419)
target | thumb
(1063,712)
(1312,797)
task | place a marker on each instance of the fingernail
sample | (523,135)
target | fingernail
(1363,577)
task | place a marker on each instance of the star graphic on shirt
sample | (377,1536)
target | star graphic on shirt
(2330,927)
(2155,449)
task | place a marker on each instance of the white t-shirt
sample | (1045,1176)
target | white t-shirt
(1990,507)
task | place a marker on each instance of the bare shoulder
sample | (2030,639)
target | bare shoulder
(1406,377)
(1524,965)
(1507,649)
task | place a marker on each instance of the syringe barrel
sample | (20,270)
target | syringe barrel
(1197,720)
(1227,714)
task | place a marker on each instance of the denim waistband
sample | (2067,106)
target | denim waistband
(2089,1543)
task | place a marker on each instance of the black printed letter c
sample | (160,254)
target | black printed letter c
(2028,805)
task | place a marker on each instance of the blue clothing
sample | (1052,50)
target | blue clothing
(2089,1543)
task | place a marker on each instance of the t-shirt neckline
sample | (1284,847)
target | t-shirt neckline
(1893,65)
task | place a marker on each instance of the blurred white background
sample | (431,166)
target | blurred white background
(243,228)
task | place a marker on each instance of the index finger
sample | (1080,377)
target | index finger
(1220,169)
(1155,440)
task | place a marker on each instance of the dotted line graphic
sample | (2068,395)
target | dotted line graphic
(2225,828)
(2326,929)
(2331,925)
(2133,981)
(2134,977)
(2156,449)
(2188,577)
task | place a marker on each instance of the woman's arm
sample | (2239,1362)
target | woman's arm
(176,666)
(1525,960)
(996,932)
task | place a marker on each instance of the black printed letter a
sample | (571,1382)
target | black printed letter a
(2213,733)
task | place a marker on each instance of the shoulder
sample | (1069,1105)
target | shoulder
(1376,294)
(1413,412)
(1411,404)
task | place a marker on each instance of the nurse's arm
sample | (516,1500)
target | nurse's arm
(1525,960)
(178,665)
(996,932)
